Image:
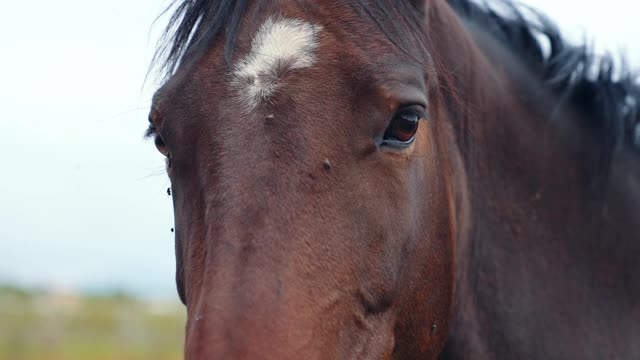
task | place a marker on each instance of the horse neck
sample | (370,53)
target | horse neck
(537,264)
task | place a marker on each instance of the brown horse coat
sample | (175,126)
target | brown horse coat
(396,179)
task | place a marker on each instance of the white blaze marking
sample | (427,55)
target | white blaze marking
(279,46)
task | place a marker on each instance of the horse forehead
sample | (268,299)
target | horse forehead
(279,46)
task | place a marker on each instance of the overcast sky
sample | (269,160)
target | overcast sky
(83,197)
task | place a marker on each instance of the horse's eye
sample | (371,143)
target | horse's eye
(403,127)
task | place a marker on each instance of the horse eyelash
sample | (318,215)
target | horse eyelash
(412,109)
(150,132)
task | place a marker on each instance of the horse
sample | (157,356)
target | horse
(398,179)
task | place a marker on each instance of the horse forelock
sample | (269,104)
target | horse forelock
(193,26)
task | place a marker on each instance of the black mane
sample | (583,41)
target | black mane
(610,101)
(608,98)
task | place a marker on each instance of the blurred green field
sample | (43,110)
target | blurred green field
(38,325)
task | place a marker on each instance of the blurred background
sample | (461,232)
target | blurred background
(86,252)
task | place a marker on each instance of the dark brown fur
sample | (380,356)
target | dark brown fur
(299,237)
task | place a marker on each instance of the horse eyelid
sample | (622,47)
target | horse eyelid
(414,109)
